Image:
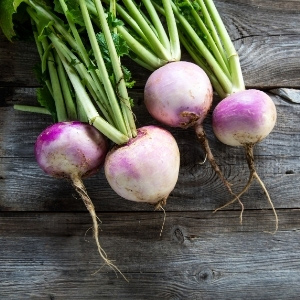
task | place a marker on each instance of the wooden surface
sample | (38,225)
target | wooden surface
(47,251)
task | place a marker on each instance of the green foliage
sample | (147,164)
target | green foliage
(122,49)
(73,11)
(186,8)
(46,100)
(12,15)
(40,76)
(113,21)
(7,9)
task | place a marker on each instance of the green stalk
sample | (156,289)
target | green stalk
(48,62)
(113,11)
(80,111)
(57,23)
(132,23)
(75,33)
(223,79)
(217,54)
(173,32)
(56,88)
(211,27)
(39,46)
(69,103)
(232,55)
(121,85)
(94,118)
(101,66)
(34,109)
(155,49)
(81,48)
(156,45)
(145,57)
(100,98)
(156,22)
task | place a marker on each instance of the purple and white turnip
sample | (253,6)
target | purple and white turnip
(73,151)
(180,94)
(244,119)
(146,168)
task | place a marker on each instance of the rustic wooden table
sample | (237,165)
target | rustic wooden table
(46,251)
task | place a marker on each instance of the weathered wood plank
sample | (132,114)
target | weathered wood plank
(198,256)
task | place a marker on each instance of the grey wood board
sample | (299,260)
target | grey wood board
(198,256)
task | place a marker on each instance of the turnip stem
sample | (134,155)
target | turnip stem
(34,109)
(69,103)
(213,45)
(55,83)
(121,85)
(223,79)
(232,55)
(156,44)
(101,66)
(159,29)
(213,32)
(173,31)
(148,58)
(146,51)
(75,33)
(96,85)
(92,114)
(80,111)
(94,88)
(57,23)
(40,51)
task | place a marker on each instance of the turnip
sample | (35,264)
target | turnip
(73,150)
(244,119)
(146,168)
(180,94)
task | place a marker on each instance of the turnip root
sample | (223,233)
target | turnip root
(146,168)
(180,94)
(244,119)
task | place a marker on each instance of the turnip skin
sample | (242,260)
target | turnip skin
(68,149)
(178,94)
(146,168)
(246,117)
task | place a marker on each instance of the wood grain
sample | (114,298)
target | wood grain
(198,256)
